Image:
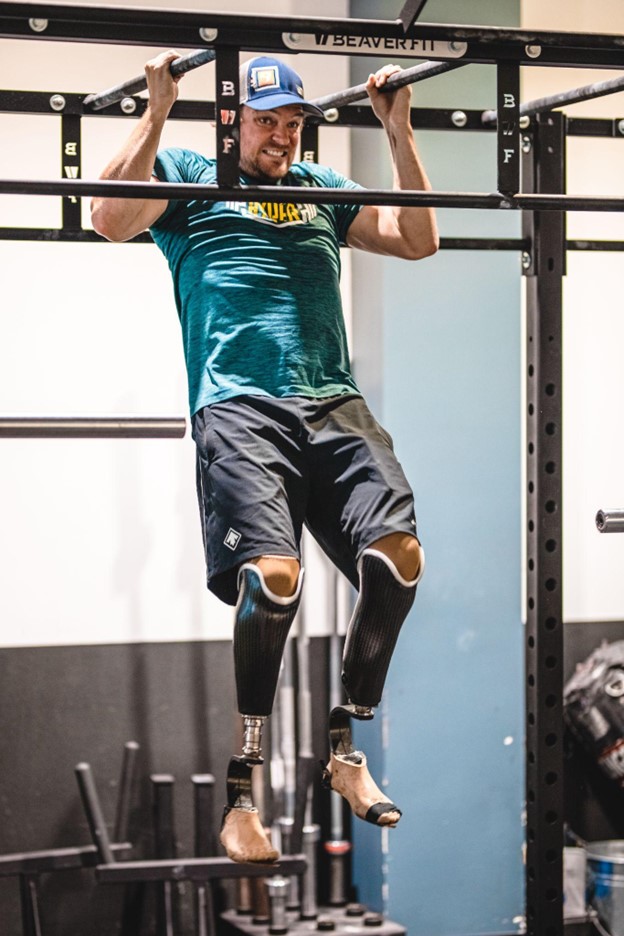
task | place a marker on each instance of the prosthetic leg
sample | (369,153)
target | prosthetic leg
(383,604)
(262,624)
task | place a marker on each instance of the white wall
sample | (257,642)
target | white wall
(91,529)
(593,324)
(100,539)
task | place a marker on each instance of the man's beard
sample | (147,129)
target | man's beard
(254,171)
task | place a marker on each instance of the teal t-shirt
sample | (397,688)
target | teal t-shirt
(257,286)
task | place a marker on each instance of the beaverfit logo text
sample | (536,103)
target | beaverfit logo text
(364,45)
(384,44)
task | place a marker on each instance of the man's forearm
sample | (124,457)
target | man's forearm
(417,225)
(121,218)
(135,161)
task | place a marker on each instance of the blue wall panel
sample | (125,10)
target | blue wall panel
(437,352)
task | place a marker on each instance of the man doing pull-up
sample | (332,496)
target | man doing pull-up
(283,435)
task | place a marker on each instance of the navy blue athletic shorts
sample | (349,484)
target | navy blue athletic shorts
(266,466)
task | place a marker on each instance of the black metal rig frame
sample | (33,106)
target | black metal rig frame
(539,143)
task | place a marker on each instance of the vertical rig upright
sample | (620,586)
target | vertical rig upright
(227,115)
(70,168)
(545,268)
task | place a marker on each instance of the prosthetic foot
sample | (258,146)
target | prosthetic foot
(347,772)
(242,834)
(263,620)
(383,604)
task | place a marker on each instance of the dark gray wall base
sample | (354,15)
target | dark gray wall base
(63,705)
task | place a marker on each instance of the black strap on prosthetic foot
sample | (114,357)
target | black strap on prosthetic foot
(382,606)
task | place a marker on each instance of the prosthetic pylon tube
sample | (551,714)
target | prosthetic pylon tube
(383,604)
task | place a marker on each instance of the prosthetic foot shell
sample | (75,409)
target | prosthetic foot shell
(243,836)
(348,774)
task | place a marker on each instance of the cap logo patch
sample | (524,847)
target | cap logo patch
(265,77)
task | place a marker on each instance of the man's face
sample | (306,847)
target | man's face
(269,141)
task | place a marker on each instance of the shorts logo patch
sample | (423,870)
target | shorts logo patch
(232,539)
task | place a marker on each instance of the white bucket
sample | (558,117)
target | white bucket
(574,883)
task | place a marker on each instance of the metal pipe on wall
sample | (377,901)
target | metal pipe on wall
(610,520)
(91,427)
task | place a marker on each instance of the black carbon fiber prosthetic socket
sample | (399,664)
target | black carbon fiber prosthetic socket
(260,632)
(381,608)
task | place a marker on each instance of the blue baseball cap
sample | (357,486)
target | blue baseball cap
(266,83)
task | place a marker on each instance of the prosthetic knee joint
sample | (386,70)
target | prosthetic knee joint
(263,621)
(383,603)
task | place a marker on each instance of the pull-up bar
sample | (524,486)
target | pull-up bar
(189,191)
(179,66)
(398,80)
(200,57)
(586,93)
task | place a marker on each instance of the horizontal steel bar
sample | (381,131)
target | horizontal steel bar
(146,19)
(604,246)
(259,193)
(483,243)
(610,520)
(195,869)
(179,66)
(574,96)
(62,235)
(141,27)
(354,115)
(595,127)
(56,859)
(567,203)
(75,427)
(517,243)
(317,196)
(38,102)
(58,235)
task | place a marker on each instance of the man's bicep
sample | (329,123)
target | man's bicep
(121,219)
(370,231)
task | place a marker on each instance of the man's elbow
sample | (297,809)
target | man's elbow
(433,245)
(424,247)
(107,226)
(101,221)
